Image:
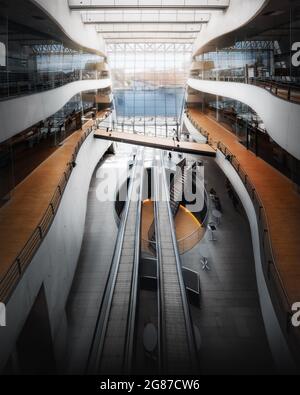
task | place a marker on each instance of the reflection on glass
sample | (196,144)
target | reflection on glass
(22,153)
(148,82)
(32,61)
(2,55)
(258,53)
(250,131)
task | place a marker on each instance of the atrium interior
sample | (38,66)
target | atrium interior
(149,187)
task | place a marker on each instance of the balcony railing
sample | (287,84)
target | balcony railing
(15,84)
(284,90)
(280,299)
(10,280)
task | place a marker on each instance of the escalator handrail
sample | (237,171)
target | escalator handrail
(105,307)
(160,293)
(131,320)
(186,309)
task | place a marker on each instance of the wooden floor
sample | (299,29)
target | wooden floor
(156,142)
(280,199)
(21,215)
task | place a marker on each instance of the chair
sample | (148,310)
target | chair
(204,262)
(212,229)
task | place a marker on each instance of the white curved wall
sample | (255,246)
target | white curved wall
(277,342)
(71,24)
(281,118)
(238,14)
(20,113)
(187,124)
(55,262)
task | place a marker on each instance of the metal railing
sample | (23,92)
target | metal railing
(99,337)
(15,84)
(184,244)
(10,280)
(187,243)
(132,311)
(160,283)
(186,309)
(290,92)
(284,90)
(280,299)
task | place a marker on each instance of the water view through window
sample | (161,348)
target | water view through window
(149,84)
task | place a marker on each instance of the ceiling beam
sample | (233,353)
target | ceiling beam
(150,40)
(148,27)
(149,35)
(144,16)
(102,4)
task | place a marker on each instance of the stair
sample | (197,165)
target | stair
(176,190)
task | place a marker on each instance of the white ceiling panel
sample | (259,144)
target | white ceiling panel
(148,19)
(145,15)
(99,4)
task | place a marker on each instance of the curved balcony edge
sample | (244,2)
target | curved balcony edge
(192,130)
(43,263)
(238,14)
(281,118)
(277,337)
(20,113)
(71,24)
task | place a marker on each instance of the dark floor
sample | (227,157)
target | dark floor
(229,319)
(233,338)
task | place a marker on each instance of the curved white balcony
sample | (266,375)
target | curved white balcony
(72,25)
(21,113)
(238,14)
(281,118)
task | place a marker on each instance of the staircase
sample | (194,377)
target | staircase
(176,191)
(177,187)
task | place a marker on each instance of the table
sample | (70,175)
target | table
(150,337)
(217,215)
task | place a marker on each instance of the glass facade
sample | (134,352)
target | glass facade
(21,154)
(35,56)
(267,56)
(237,63)
(266,52)
(33,60)
(148,81)
(250,131)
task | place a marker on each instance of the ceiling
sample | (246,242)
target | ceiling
(279,21)
(27,24)
(148,20)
